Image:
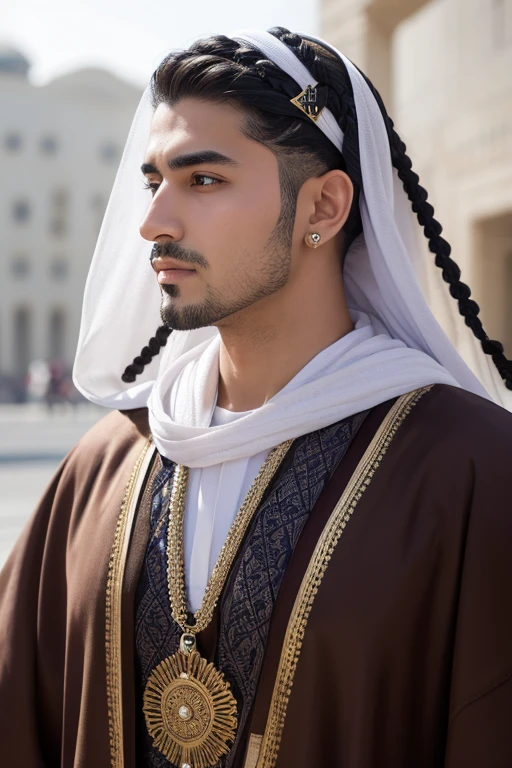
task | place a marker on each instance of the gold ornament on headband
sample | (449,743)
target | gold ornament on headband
(307,102)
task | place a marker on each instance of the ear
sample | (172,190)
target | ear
(328,202)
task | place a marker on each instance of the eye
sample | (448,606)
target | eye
(152,185)
(203,180)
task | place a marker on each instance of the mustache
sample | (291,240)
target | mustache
(176,251)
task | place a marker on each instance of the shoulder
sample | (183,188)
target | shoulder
(110,440)
(457,437)
(117,426)
(461,419)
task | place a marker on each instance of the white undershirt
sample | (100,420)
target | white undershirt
(214,496)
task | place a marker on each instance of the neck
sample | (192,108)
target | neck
(264,347)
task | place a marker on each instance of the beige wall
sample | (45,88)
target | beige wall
(445,78)
(363,30)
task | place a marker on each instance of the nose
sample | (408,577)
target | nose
(160,222)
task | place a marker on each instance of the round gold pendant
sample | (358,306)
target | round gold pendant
(190,711)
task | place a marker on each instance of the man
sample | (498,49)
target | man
(290,544)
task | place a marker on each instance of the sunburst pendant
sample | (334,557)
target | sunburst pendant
(190,711)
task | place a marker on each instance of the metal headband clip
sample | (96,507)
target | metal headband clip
(307,102)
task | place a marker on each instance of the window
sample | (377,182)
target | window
(98,205)
(20,266)
(22,339)
(58,268)
(48,145)
(109,153)
(13,142)
(21,211)
(59,213)
(56,334)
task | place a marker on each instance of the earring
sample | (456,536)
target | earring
(312,239)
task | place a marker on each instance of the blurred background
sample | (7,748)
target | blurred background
(71,75)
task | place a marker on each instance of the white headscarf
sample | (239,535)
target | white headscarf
(397,344)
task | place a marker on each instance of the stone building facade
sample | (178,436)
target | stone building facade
(443,69)
(60,146)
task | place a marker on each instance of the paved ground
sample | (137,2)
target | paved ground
(32,432)
(32,444)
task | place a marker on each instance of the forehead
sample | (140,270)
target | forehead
(192,124)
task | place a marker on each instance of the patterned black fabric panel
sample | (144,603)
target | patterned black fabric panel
(250,594)
(251,591)
(156,633)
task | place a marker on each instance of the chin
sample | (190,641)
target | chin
(187,318)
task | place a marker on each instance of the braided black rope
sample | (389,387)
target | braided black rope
(257,72)
(417,195)
(432,229)
(340,100)
(147,353)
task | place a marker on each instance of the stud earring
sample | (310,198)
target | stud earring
(312,239)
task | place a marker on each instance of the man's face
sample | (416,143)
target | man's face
(215,215)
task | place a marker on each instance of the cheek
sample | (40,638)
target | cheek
(240,216)
(263,206)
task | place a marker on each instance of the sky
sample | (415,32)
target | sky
(130,37)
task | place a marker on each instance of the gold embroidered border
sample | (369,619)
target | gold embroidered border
(317,567)
(230,548)
(113,604)
(253,750)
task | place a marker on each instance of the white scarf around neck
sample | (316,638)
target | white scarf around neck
(357,372)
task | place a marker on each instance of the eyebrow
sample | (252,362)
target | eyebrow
(192,158)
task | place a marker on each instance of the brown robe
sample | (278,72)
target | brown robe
(407,654)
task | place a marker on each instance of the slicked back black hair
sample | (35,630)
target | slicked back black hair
(218,69)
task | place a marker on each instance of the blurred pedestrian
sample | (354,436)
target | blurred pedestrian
(37,381)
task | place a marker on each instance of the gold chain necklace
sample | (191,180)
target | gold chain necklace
(189,708)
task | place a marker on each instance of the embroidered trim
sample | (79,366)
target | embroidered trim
(113,600)
(230,548)
(317,567)
(248,602)
(253,750)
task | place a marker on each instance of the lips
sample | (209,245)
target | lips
(169,276)
(165,265)
(171,271)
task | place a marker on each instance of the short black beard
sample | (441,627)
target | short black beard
(216,308)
